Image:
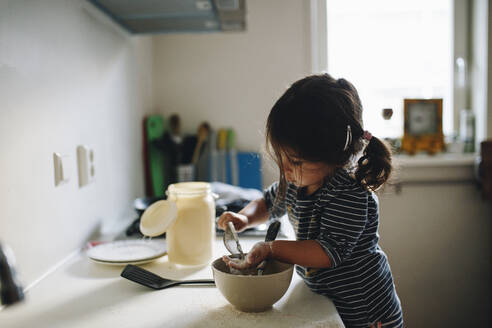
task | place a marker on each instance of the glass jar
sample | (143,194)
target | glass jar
(191,236)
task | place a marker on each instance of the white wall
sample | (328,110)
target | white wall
(233,79)
(68,76)
(439,244)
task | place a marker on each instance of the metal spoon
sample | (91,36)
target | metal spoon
(231,240)
(271,234)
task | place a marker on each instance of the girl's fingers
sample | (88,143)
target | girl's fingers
(250,258)
(226,217)
(258,253)
(237,266)
(237,225)
(236,263)
(223,219)
(254,258)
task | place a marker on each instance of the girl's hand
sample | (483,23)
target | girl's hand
(240,221)
(258,253)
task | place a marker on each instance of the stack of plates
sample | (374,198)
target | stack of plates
(122,252)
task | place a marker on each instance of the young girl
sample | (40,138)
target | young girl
(329,167)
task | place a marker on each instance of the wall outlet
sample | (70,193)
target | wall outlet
(85,162)
(62,168)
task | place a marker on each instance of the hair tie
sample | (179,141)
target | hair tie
(348,139)
(367,135)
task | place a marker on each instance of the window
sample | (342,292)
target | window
(391,50)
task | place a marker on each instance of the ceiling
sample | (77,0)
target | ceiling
(174,16)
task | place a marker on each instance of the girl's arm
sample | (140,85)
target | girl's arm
(254,213)
(307,253)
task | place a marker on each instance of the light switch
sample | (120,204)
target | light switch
(85,162)
(62,168)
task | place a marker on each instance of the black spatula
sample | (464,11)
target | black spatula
(271,234)
(149,279)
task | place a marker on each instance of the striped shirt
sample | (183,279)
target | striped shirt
(343,218)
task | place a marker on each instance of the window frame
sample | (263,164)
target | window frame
(460,78)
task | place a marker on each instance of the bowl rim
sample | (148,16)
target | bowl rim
(290,268)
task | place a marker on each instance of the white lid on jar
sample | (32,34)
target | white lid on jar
(158,217)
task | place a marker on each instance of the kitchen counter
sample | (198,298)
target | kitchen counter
(82,293)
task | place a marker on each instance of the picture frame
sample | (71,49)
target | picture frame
(422,126)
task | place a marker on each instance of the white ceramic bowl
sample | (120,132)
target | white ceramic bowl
(253,293)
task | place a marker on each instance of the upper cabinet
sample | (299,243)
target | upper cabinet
(174,16)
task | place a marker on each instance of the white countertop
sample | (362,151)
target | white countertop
(82,293)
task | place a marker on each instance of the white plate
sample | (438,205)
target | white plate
(125,263)
(133,251)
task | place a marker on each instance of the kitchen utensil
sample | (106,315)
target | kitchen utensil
(272,233)
(122,252)
(202,134)
(188,147)
(203,165)
(186,172)
(159,164)
(252,293)
(222,150)
(175,145)
(149,279)
(145,148)
(175,128)
(213,164)
(231,240)
(232,168)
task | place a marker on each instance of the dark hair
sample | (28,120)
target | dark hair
(311,119)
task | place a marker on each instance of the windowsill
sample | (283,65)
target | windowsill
(438,160)
(423,169)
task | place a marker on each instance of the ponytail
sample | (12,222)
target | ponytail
(374,167)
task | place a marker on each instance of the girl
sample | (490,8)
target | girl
(316,134)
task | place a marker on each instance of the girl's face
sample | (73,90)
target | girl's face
(303,173)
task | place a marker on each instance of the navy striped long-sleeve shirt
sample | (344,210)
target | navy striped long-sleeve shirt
(343,218)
